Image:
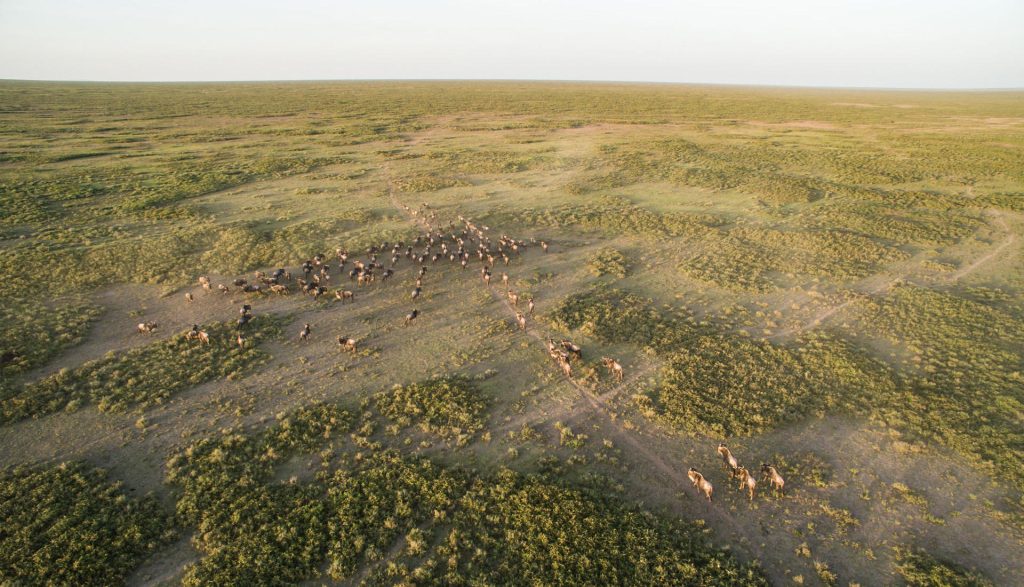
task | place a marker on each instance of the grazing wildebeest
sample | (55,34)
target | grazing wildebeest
(410,317)
(205,282)
(204,337)
(613,366)
(703,485)
(223,288)
(728,460)
(773,478)
(146,327)
(344,295)
(347,344)
(416,293)
(304,333)
(746,481)
(188,297)
(281,290)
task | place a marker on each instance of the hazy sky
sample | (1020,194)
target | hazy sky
(886,43)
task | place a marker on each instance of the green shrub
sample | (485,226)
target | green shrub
(69,525)
(920,569)
(447,406)
(141,376)
(608,261)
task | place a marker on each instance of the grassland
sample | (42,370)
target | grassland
(828,280)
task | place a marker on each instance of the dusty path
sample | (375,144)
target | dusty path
(1011,237)
(874,289)
(599,404)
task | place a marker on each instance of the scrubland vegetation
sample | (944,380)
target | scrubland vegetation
(141,376)
(759,261)
(69,524)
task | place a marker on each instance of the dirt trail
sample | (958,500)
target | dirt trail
(872,285)
(599,404)
(1011,237)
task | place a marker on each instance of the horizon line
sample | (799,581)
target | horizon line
(524,80)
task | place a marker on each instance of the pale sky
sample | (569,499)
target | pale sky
(866,43)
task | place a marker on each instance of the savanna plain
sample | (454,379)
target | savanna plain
(829,283)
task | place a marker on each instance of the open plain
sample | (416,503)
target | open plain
(830,282)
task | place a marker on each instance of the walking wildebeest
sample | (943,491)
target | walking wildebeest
(410,317)
(304,333)
(146,327)
(746,481)
(728,460)
(703,485)
(773,478)
(347,344)
(573,349)
(613,366)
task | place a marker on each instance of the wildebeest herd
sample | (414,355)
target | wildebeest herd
(732,466)
(458,244)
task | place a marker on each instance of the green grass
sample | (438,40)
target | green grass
(723,384)
(451,407)
(143,376)
(69,524)
(920,569)
(439,525)
(31,334)
(608,261)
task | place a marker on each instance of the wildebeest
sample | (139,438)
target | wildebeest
(771,475)
(188,297)
(746,481)
(223,288)
(573,349)
(416,293)
(146,327)
(344,295)
(304,333)
(411,316)
(728,460)
(703,485)
(612,366)
(240,341)
(347,343)
(521,320)
(530,307)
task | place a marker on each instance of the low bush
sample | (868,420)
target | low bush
(448,406)
(70,525)
(142,376)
